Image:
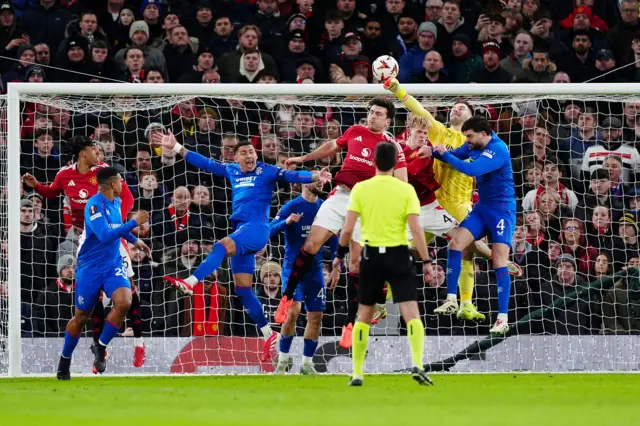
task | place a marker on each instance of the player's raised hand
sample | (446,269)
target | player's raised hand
(293,218)
(167,140)
(392,85)
(440,148)
(425,151)
(29,180)
(141,216)
(427,271)
(335,273)
(293,162)
(143,247)
(324,175)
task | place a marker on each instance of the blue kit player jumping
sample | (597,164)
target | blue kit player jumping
(493,215)
(252,184)
(296,218)
(100,268)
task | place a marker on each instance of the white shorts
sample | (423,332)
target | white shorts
(333,213)
(126,258)
(435,220)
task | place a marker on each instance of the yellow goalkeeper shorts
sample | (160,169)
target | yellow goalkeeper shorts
(458,210)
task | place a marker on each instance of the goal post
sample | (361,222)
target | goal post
(104,98)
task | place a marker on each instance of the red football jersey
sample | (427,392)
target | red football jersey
(359,163)
(78,188)
(421,175)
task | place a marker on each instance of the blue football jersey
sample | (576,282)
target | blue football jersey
(491,166)
(251,191)
(99,244)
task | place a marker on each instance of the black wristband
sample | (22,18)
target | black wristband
(342,252)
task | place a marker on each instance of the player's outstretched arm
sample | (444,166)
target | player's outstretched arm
(282,219)
(170,142)
(95,218)
(327,149)
(408,101)
(479,167)
(47,191)
(305,176)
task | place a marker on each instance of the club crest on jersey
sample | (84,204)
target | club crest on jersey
(93,180)
(366,152)
(259,171)
(83,193)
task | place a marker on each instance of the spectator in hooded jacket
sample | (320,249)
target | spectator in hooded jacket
(46,22)
(75,64)
(54,306)
(178,54)
(295,53)
(205,61)
(270,23)
(411,63)
(12,35)
(538,69)
(229,64)
(26,55)
(139,37)
(463,63)
(151,11)
(202,26)
(580,62)
(86,27)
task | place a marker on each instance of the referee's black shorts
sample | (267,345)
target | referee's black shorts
(381,264)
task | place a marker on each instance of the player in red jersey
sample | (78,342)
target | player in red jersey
(78,182)
(360,143)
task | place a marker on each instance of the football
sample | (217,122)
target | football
(384,67)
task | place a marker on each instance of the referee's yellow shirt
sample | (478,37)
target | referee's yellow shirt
(455,187)
(383,203)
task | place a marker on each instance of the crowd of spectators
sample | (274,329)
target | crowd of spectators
(575,162)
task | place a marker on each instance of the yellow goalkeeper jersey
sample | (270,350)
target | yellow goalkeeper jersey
(455,187)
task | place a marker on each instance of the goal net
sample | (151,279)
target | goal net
(575,160)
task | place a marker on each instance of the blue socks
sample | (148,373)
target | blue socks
(454,266)
(108,333)
(310,347)
(70,344)
(285,344)
(211,263)
(249,301)
(504,289)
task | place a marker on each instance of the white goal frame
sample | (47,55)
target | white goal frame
(16,90)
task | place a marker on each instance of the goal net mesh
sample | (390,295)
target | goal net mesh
(575,163)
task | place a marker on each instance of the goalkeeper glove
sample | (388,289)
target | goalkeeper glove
(392,85)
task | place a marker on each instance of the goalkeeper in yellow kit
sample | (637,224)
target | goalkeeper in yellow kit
(454,193)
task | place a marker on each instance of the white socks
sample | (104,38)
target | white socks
(191,280)
(138,341)
(503,317)
(452,297)
(266,331)
(307,360)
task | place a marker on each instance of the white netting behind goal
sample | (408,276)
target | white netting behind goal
(575,163)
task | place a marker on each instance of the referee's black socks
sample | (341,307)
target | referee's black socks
(353,282)
(301,267)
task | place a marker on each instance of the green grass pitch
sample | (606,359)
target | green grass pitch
(469,400)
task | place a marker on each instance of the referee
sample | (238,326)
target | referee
(385,205)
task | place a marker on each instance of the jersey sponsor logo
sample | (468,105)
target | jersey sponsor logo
(245,181)
(366,152)
(358,138)
(360,160)
(83,193)
(71,183)
(79,200)
(488,153)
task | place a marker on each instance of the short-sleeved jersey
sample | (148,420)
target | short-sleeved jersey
(99,243)
(491,166)
(455,187)
(251,191)
(421,175)
(383,203)
(358,164)
(79,188)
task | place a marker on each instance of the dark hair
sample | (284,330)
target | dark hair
(332,16)
(149,70)
(477,124)
(467,104)
(130,48)
(240,144)
(521,222)
(87,12)
(386,156)
(99,44)
(106,175)
(77,144)
(42,132)
(385,103)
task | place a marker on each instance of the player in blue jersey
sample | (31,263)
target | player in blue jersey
(296,218)
(100,268)
(252,184)
(493,215)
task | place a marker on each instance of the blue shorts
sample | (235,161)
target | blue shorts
(498,224)
(89,284)
(249,238)
(311,290)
